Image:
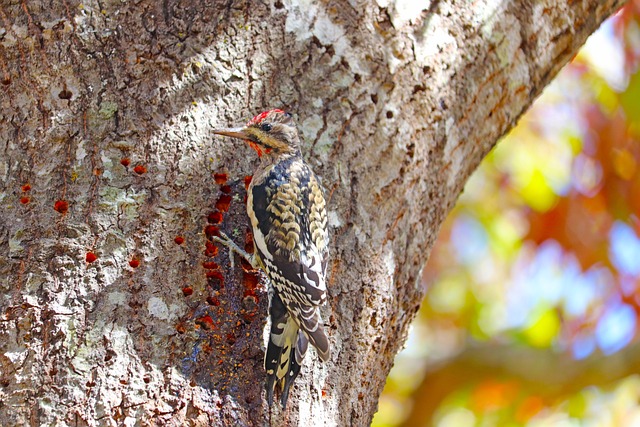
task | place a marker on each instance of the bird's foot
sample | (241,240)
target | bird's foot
(231,245)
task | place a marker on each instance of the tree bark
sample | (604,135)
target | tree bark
(106,151)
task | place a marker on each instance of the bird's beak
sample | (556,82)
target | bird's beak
(240,133)
(232,132)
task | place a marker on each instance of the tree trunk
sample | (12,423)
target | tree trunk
(116,309)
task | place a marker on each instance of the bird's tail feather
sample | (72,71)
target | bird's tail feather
(314,329)
(288,343)
(285,351)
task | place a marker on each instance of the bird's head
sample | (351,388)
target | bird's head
(270,133)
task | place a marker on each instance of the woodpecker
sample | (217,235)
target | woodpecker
(287,209)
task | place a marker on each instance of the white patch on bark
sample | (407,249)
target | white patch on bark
(488,15)
(8,39)
(121,201)
(314,406)
(389,261)
(329,33)
(300,17)
(117,298)
(81,153)
(360,234)
(325,141)
(4,171)
(158,308)
(333,219)
(453,151)
(311,126)
(306,19)
(435,40)
(403,11)
(106,161)
(17,357)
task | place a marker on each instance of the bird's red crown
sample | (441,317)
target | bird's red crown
(260,117)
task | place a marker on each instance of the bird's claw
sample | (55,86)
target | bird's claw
(233,247)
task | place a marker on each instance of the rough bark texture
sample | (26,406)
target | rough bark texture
(398,104)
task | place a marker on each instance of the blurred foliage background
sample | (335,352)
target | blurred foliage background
(533,288)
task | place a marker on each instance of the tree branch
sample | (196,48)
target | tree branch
(542,372)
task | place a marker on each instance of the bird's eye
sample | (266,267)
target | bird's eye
(265,127)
